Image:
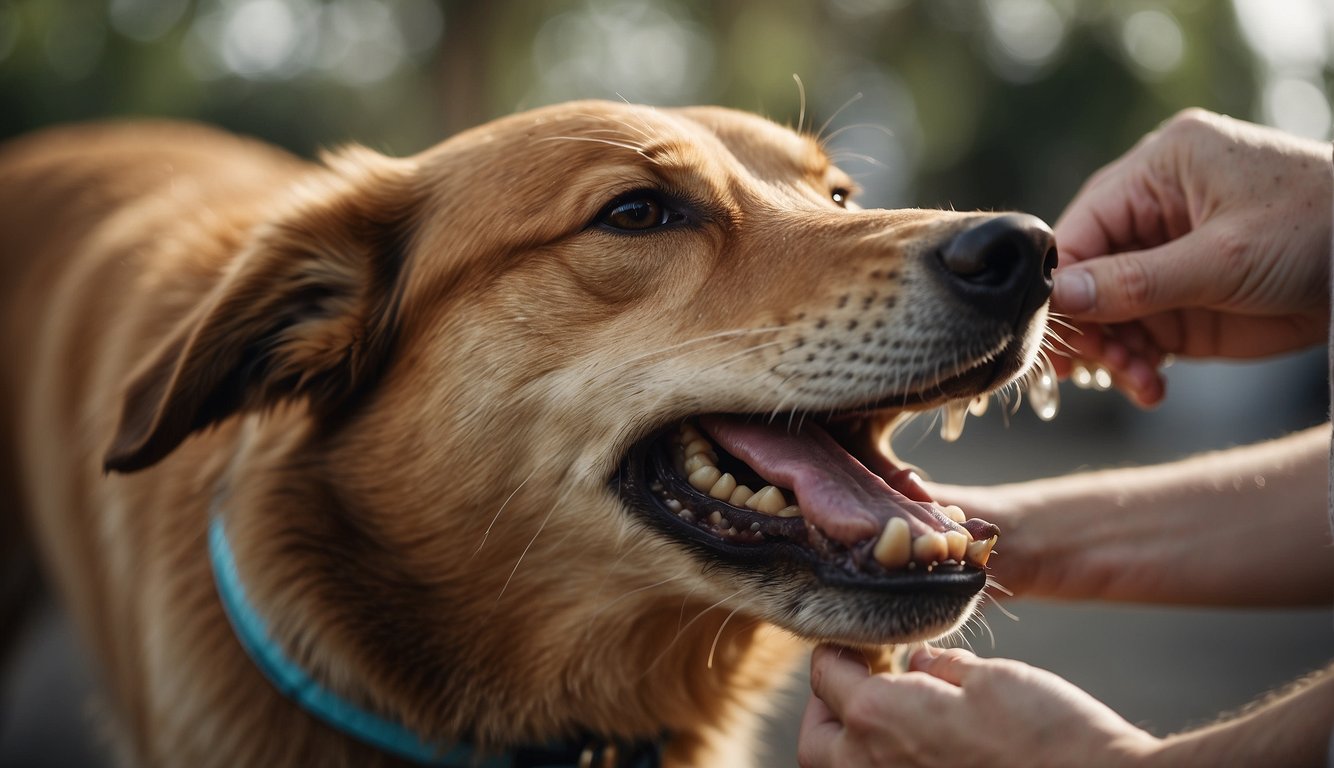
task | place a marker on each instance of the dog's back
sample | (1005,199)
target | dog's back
(74,205)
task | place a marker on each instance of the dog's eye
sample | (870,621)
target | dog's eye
(638,212)
(840,196)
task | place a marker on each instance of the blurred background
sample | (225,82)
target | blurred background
(950,103)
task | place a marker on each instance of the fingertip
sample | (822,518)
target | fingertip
(1073,291)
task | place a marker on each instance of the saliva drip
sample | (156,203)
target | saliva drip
(1044,392)
(953,415)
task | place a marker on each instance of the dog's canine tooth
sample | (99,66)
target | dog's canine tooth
(930,547)
(980,551)
(767,500)
(957,543)
(954,513)
(702,479)
(791,510)
(695,462)
(722,490)
(894,547)
(740,496)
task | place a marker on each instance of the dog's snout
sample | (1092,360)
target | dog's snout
(1002,266)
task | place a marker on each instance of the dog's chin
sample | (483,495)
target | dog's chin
(796,567)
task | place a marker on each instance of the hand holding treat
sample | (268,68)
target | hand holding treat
(1209,238)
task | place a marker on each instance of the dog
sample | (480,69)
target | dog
(552,442)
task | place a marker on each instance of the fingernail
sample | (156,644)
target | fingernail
(1072,291)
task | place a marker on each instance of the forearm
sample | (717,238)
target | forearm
(1292,729)
(1240,527)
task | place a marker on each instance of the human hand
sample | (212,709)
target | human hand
(954,709)
(1210,238)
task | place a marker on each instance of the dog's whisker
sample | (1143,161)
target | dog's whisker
(607,606)
(703,612)
(856,126)
(839,157)
(718,636)
(558,504)
(820,133)
(801,94)
(593,140)
(496,517)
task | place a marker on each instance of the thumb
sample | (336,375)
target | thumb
(1186,272)
(948,664)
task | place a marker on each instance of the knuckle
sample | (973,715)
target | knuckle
(1191,120)
(1134,282)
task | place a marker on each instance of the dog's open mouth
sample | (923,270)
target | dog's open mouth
(748,490)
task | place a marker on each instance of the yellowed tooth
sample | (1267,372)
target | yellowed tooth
(930,548)
(894,547)
(688,434)
(703,478)
(957,543)
(722,489)
(740,496)
(954,513)
(695,462)
(700,446)
(767,500)
(715,518)
(791,510)
(980,551)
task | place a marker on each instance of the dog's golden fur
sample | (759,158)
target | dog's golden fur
(405,383)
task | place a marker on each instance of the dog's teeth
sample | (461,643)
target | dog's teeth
(740,496)
(957,544)
(791,510)
(673,505)
(980,551)
(698,460)
(703,478)
(767,500)
(894,547)
(722,490)
(954,513)
(715,517)
(688,434)
(930,548)
(700,446)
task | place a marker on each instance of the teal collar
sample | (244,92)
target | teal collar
(293,682)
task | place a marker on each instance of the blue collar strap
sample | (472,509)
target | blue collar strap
(388,736)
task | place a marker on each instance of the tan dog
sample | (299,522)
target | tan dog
(451,412)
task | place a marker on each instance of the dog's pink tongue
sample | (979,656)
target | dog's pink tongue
(844,499)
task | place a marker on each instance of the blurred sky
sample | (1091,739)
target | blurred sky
(989,104)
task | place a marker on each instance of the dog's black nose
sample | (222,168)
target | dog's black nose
(1002,266)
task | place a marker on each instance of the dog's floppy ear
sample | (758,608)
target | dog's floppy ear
(305,310)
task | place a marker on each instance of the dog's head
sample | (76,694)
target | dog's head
(546,360)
